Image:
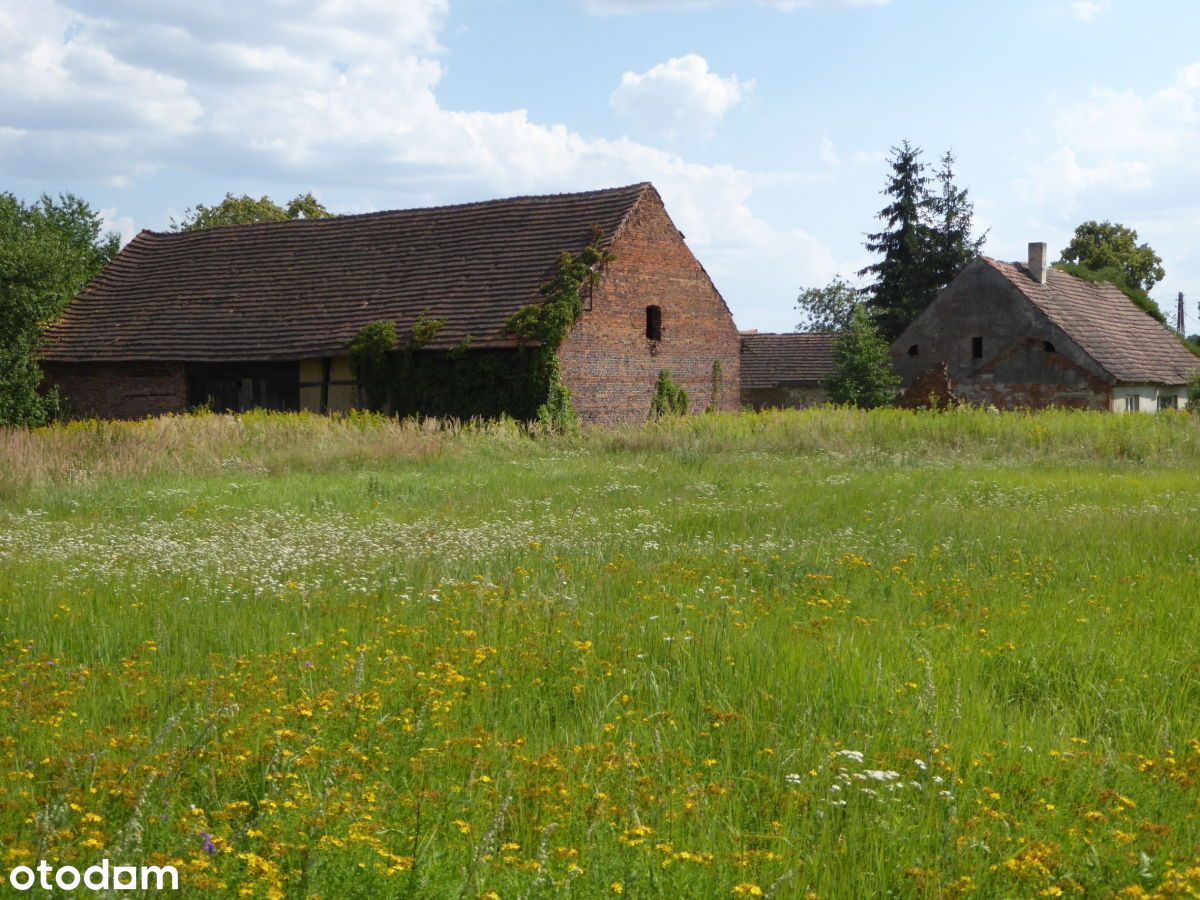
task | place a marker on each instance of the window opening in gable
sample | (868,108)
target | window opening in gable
(654,323)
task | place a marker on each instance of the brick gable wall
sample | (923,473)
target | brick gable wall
(608,362)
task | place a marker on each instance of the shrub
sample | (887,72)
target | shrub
(669,398)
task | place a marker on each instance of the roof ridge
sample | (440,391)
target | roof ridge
(638,187)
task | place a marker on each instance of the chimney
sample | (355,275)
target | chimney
(1037,262)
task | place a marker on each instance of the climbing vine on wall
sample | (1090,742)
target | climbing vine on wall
(550,321)
(463,382)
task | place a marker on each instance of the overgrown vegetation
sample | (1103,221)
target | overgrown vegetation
(410,378)
(864,375)
(48,251)
(549,322)
(669,399)
(850,653)
(1115,276)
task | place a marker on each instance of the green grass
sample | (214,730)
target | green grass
(364,658)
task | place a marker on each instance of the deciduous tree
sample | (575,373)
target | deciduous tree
(864,367)
(48,251)
(245,210)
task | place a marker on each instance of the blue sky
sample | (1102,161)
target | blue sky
(764,123)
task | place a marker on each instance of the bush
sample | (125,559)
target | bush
(669,398)
(1193,393)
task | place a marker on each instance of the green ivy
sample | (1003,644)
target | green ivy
(524,383)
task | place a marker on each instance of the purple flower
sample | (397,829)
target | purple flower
(209,847)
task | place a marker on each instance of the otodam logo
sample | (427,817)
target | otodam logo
(100,877)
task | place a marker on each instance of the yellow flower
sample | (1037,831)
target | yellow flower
(747,889)
(617,888)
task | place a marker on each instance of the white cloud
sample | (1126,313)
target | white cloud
(680,96)
(111,220)
(1121,141)
(339,96)
(628,7)
(1089,10)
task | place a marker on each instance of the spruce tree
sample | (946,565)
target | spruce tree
(902,277)
(954,244)
(927,240)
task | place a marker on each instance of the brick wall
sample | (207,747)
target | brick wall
(784,397)
(609,363)
(119,390)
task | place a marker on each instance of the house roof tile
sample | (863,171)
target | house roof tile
(773,360)
(298,289)
(1127,343)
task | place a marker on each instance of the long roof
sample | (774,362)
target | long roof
(298,289)
(1126,342)
(774,360)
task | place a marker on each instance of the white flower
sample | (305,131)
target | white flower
(794,778)
(854,755)
(920,764)
(877,775)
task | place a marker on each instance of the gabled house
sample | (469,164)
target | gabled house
(263,315)
(786,370)
(1014,335)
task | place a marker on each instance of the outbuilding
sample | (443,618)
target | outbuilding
(1027,335)
(263,315)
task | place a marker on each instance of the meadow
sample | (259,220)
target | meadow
(808,654)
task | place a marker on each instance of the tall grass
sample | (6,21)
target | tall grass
(827,654)
(86,451)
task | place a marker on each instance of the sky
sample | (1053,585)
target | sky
(765,124)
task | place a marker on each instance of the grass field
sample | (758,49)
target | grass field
(827,654)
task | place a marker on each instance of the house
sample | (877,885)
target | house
(263,315)
(1014,335)
(786,370)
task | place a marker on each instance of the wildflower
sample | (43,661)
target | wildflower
(206,843)
(852,755)
(877,775)
(747,889)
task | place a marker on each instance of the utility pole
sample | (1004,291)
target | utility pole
(1179,323)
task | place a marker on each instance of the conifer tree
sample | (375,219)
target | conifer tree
(927,239)
(954,244)
(902,276)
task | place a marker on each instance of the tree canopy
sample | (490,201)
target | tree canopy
(1099,246)
(246,210)
(48,251)
(926,241)
(864,367)
(827,308)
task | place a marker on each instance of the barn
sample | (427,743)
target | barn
(264,315)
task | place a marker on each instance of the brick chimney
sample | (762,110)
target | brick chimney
(1038,265)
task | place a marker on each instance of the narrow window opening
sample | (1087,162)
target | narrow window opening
(1132,403)
(653,323)
(977,348)
(1048,347)
(914,350)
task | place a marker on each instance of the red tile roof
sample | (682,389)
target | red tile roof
(1127,343)
(299,289)
(774,360)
